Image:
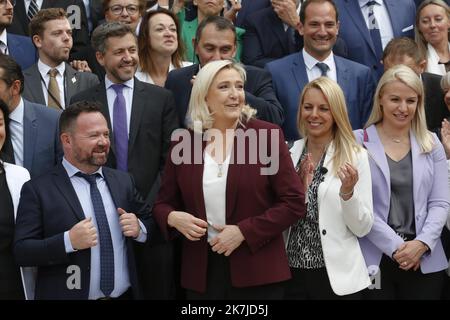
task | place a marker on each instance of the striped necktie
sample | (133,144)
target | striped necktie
(32,9)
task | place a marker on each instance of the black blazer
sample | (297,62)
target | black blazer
(259,93)
(80,35)
(49,206)
(435,108)
(153,118)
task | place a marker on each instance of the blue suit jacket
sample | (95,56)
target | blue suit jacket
(49,206)
(22,50)
(289,77)
(353,30)
(42,148)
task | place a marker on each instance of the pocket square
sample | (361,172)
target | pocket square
(408,28)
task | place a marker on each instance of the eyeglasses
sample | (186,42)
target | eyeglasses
(118,9)
(3,3)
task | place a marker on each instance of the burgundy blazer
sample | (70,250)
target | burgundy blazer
(263,206)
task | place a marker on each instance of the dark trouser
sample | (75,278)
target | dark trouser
(397,284)
(313,284)
(218,286)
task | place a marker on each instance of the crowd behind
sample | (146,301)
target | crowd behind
(224,149)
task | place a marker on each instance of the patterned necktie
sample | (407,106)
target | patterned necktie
(53,90)
(374,30)
(32,9)
(120,128)
(323,68)
(104,235)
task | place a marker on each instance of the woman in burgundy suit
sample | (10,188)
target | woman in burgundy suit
(230,189)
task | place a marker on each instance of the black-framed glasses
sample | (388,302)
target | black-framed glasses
(4,2)
(118,9)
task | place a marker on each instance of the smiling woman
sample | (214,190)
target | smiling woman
(232,214)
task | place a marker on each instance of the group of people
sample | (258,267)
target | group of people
(156,166)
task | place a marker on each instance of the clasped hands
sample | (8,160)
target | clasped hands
(347,173)
(83,235)
(228,239)
(409,253)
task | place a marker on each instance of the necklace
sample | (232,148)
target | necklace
(395,140)
(220,172)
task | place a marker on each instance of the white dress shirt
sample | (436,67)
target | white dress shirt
(383,19)
(314,72)
(43,70)
(127,94)
(4,42)
(121,273)
(214,192)
(27,4)
(433,65)
(16,128)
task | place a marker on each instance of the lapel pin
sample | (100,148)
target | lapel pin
(74,80)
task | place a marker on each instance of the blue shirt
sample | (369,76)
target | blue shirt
(121,274)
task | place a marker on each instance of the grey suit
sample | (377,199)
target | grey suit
(41,145)
(75,82)
(153,118)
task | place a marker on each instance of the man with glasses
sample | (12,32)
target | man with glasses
(128,12)
(19,47)
(26,9)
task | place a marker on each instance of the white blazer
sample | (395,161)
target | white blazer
(15,178)
(342,222)
(433,65)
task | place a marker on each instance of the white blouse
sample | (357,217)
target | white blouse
(433,65)
(145,77)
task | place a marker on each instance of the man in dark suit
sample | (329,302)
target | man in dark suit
(216,40)
(52,35)
(141,118)
(34,139)
(77,224)
(76,14)
(319,27)
(395,18)
(249,7)
(406,51)
(19,47)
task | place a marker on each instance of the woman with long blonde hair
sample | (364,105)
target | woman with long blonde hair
(410,192)
(323,250)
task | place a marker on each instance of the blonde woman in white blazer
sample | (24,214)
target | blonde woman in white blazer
(323,249)
(12,178)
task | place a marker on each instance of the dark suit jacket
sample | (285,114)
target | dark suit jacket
(435,108)
(247,8)
(42,147)
(22,50)
(88,54)
(353,30)
(289,77)
(80,34)
(75,82)
(49,207)
(261,205)
(259,93)
(153,118)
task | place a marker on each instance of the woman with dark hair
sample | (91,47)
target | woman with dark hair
(160,46)
(12,178)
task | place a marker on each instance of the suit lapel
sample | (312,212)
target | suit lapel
(354,11)
(196,176)
(376,152)
(328,178)
(279,30)
(20,13)
(233,178)
(34,79)
(64,185)
(71,82)
(392,10)
(113,184)
(418,165)
(299,71)
(29,134)
(343,78)
(137,110)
